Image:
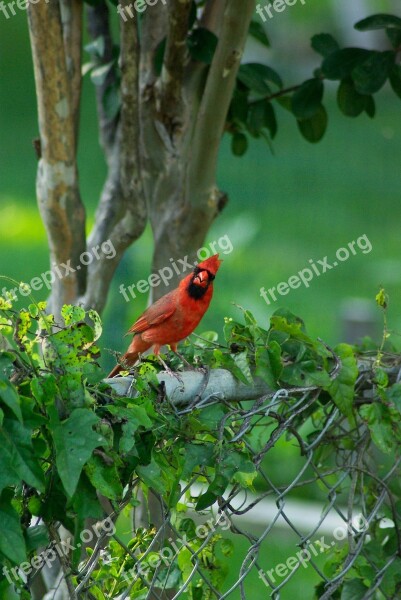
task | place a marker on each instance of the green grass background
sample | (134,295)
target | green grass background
(302,202)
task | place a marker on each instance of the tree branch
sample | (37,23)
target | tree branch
(121,216)
(71,16)
(130,157)
(216,100)
(221,385)
(57,181)
(99,26)
(212,16)
(174,63)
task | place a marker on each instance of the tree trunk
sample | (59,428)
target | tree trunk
(161,151)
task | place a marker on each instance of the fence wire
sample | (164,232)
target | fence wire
(335,464)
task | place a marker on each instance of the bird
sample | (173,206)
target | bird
(174,316)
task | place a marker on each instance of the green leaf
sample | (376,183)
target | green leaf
(133,417)
(350,102)
(256,30)
(371,74)
(314,129)
(370,107)
(394,35)
(341,63)
(395,79)
(211,416)
(205,500)
(324,44)
(307,100)
(9,396)
(256,117)
(239,144)
(270,119)
(36,536)
(72,314)
(197,455)
(104,477)
(257,77)
(268,364)
(379,21)
(341,389)
(393,395)
(75,441)
(202,45)
(239,106)
(85,501)
(12,543)
(151,475)
(241,360)
(380,426)
(354,590)
(17,459)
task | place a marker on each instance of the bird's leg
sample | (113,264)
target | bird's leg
(184,360)
(156,352)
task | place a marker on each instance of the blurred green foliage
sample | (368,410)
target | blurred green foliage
(302,202)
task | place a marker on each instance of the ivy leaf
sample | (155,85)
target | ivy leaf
(380,425)
(341,389)
(307,100)
(268,364)
(241,361)
(17,459)
(12,543)
(72,314)
(197,455)
(9,396)
(133,417)
(104,477)
(75,441)
(324,44)
(151,475)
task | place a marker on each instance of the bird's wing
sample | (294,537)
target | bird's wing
(161,310)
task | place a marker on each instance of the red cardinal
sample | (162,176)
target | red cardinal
(174,316)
